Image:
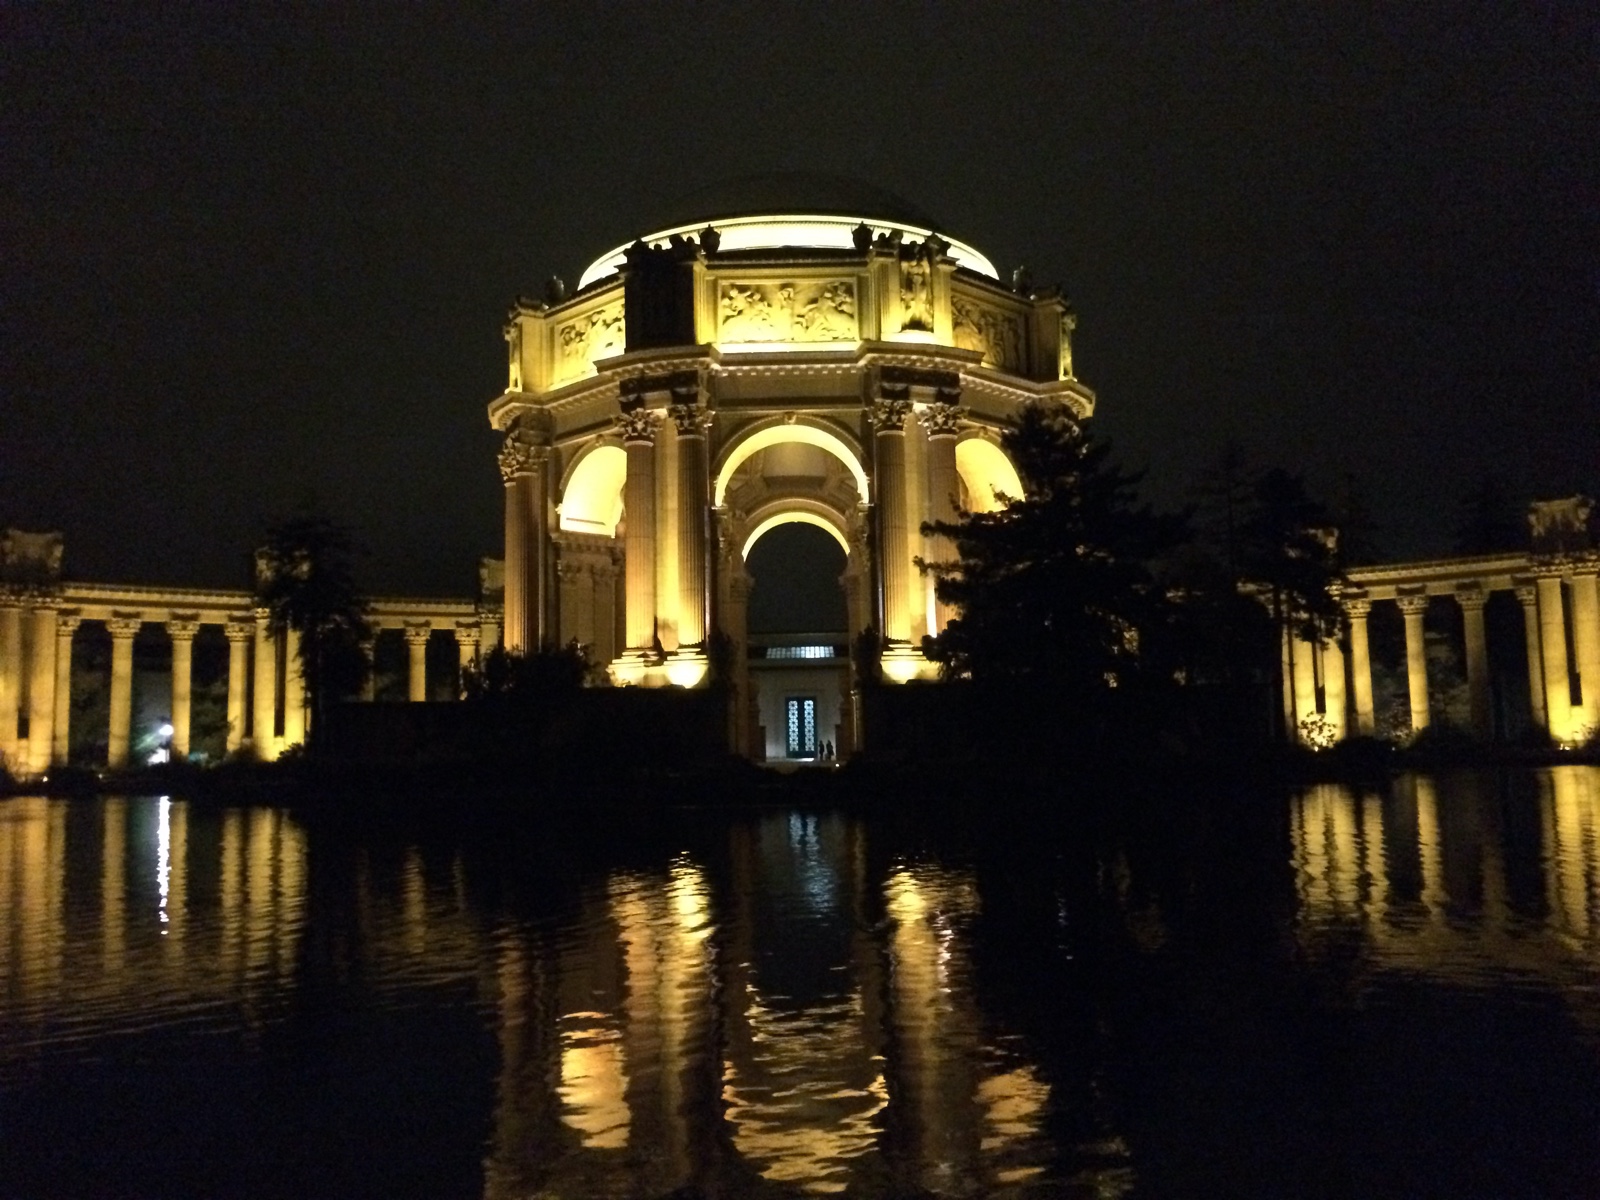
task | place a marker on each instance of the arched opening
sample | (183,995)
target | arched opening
(798,631)
(780,435)
(592,499)
(986,475)
(795,561)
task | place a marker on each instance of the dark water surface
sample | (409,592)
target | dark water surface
(1346,994)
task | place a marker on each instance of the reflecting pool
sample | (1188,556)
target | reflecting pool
(1335,993)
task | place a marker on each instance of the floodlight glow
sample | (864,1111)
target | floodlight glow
(164,730)
(780,231)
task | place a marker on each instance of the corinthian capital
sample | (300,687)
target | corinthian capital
(942,420)
(889,415)
(516,458)
(691,419)
(638,425)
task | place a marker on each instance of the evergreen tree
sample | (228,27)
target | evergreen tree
(1056,590)
(305,579)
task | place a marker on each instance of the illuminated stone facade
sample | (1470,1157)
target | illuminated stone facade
(41,615)
(711,382)
(1327,697)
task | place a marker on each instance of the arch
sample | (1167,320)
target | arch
(778,432)
(987,474)
(789,515)
(591,500)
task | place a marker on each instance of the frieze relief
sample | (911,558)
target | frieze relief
(820,311)
(595,335)
(997,335)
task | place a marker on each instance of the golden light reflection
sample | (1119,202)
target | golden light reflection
(594,1080)
(1421,876)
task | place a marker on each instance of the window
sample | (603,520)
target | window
(800,727)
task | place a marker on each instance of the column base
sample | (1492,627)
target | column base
(903,663)
(645,668)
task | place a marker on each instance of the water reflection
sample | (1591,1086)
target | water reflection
(1448,878)
(122,914)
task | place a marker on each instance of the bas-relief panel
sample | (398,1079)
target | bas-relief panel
(810,311)
(597,334)
(996,334)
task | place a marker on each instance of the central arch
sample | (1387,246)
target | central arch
(790,513)
(777,434)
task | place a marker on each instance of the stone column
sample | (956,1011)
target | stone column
(1413,608)
(10,678)
(182,631)
(264,725)
(942,421)
(1360,664)
(524,468)
(1334,707)
(1553,641)
(467,637)
(1304,656)
(66,626)
(295,718)
(1528,596)
(638,429)
(489,623)
(122,627)
(1586,645)
(417,633)
(1472,600)
(238,634)
(888,417)
(694,498)
(42,690)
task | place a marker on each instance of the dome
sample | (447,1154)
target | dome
(794,192)
(792,209)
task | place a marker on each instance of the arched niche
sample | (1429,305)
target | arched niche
(776,435)
(986,473)
(591,501)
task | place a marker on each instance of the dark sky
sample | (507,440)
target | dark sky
(259,254)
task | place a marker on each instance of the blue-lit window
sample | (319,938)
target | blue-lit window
(800,727)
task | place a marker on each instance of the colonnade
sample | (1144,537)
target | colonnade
(1560,604)
(266,698)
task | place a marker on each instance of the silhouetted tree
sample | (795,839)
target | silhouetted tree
(1057,589)
(1289,558)
(305,578)
(508,676)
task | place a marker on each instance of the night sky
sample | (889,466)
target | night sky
(259,256)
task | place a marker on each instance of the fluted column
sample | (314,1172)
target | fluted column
(1528,596)
(238,634)
(1356,611)
(515,462)
(638,429)
(295,715)
(888,417)
(1335,710)
(10,677)
(417,668)
(1472,601)
(467,637)
(942,421)
(66,625)
(1413,607)
(264,725)
(524,467)
(42,689)
(1304,655)
(1553,643)
(122,628)
(182,631)
(1586,646)
(694,498)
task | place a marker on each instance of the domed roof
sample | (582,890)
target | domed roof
(791,209)
(809,192)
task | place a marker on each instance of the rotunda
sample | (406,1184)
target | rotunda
(835,361)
